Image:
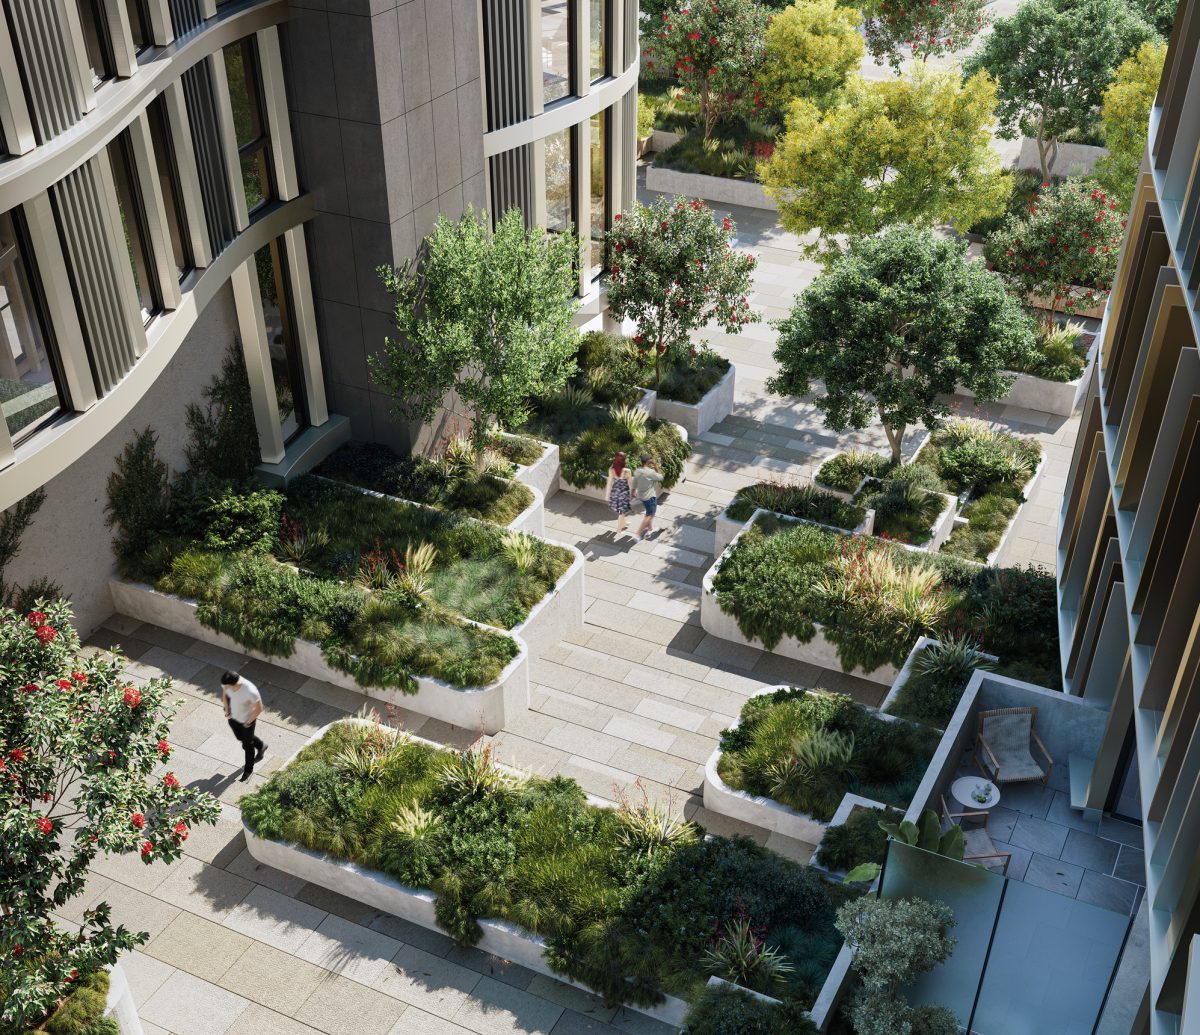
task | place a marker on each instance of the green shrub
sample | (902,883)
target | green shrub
(807,749)
(1060,354)
(936,683)
(83,1010)
(906,504)
(859,840)
(223,440)
(585,461)
(138,500)
(728,1011)
(689,382)
(802,501)
(631,924)
(236,520)
(517,449)
(846,470)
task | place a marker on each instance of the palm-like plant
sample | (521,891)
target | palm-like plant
(741,955)
(646,827)
(633,420)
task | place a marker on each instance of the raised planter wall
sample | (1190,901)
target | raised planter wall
(697,418)
(661,139)
(906,672)
(726,528)
(120,1005)
(718,189)
(542,474)
(1027,492)
(488,708)
(756,810)
(845,810)
(817,651)
(533,518)
(1057,398)
(942,526)
(558,613)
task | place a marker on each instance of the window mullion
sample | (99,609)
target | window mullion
(155,208)
(224,108)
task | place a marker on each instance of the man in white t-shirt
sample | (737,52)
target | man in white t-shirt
(243,706)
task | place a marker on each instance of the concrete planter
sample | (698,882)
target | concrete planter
(120,1005)
(909,453)
(1027,492)
(906,671)
(718,189)
(1057,398)
(845,810)
(697,418)
(661,139)
(726,528)
(818,651)
(942,525)
(596,492)
(488,708)
(760,812)
(500,938)
(542,474)
(560,611)
(643,145)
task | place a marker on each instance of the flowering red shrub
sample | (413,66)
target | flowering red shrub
(1064,249)
(672,270)
(925,28)
(77,778)
(714,50)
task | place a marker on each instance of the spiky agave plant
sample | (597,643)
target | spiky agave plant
(645,827)
(475,772)
(741,954)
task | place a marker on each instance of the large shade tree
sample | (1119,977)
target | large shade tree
(895,324)
(1053,60)
(1063,251)
(673,269)
(82,753)
(485,315)
(911,150)
(714,51)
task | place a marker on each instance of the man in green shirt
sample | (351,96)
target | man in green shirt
(647,481)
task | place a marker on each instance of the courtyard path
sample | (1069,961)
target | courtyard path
(633,703)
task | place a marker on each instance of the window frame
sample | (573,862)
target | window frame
(98,12)
(39,312)
(258,148)
(293,359)
(158,119)
(124,164)
(572,9)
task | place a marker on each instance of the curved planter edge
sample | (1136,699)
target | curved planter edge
(817,651)
(755,810)
(120,1005)
(486,707)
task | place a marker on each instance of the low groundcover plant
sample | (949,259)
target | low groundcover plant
(630,901)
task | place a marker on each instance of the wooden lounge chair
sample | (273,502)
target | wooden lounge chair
(979,845)
(1002,746)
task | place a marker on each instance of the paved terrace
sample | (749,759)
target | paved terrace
(636,698)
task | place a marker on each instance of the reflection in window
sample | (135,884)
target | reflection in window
(245,96)
(133,220)
(559,207)
(168,179)
(95,41)
(599,190)
(599,48)
(281,337)
(28,393)
(139,24)
(556,49)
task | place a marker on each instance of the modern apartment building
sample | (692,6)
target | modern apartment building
(1129,548)
(180,174)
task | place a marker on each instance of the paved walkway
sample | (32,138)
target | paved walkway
(633,702)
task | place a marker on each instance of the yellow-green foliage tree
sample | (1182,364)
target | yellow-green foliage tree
(811,48)
(1126,111)
(910,150)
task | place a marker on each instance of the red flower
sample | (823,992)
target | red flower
(44,825)
(79,678)
(45,634)
(664,224)
(30,688)
(617,216)
(713,41)
(36,618)
(138,820)
(18,949)
(16,755)
(164,748)
(181,832)
(171,781)
(63,684)
(147,848)
(73,976)
(133,696)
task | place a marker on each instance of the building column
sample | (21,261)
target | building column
(257,353)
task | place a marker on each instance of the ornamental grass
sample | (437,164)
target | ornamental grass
(630,901)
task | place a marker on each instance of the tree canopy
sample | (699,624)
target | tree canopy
(898,321)
(715,52)
(923,28)
(1052,61)
(910,150)
(673,269)
(1064,250)
(484,314)
(1126,115)
(811,48)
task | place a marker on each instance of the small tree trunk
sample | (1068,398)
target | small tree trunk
(706,110)
(895,437)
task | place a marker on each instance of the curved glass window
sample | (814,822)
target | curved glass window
(556,49)
(599,189)
(599,38)
(560,208)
